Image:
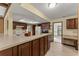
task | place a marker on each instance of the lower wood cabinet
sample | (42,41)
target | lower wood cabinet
(42,53)
(7,52)
(35,48)
(25,49)
(15,51)
(46,44)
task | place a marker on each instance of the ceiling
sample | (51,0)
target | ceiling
(60,10)
(20,13)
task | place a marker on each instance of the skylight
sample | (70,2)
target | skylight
(2,11)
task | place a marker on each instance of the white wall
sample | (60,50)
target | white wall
(73,32)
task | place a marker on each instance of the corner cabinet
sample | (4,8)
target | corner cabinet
(72,23)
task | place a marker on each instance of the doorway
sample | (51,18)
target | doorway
(58,30)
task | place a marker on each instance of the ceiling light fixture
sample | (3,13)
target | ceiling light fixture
(31,22)
(51,5)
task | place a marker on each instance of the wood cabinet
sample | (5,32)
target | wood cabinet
(15,51)
(36,48)
(19,24)
(42,52)
(33,29)
(46,44)
(45,27)
(72,23)
(1,25)
(7,52)
(25,49)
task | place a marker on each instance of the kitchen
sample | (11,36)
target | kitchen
(26,37)
(28,33)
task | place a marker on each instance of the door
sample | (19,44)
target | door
(58,30)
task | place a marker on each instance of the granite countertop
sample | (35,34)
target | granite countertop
(11,41)
(71,37)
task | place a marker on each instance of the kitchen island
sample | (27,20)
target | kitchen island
(14,45)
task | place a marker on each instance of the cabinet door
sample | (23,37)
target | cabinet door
(25,49)
(42,46)
(15,51)
(7,52)
(35,48)
(46,43)
(1,25)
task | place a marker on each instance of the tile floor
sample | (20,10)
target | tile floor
(57,38)
(58,49)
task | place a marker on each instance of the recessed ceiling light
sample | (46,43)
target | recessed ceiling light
(51,5)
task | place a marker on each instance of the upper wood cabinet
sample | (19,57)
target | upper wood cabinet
(72,23)
(45,27)
(19,24)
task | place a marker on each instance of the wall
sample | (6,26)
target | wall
(8,22)
(73,32)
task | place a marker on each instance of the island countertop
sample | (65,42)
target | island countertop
(14,40)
